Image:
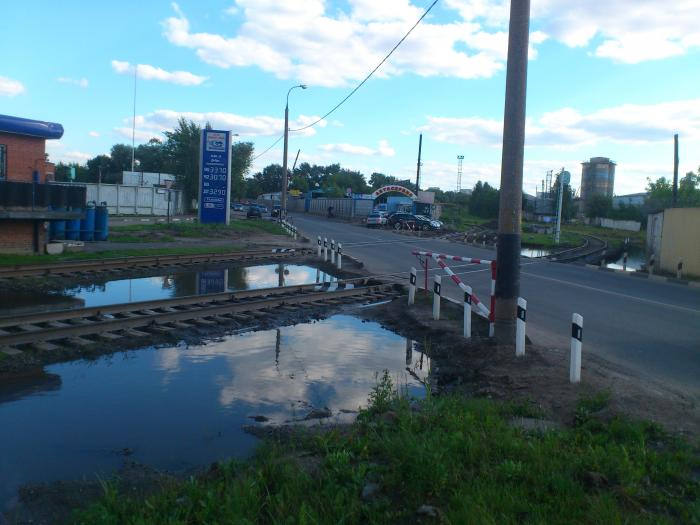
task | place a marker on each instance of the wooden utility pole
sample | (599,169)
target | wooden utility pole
(510,210)
(675,171)
(420,144)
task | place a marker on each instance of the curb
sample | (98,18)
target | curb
(642,275)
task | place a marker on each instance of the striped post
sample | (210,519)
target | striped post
(520,328)
(318,252)
(576,338)
(468,313)
(339,259)
(332,251)
(412,286)
(492,310)
(651,264)
(679,270)
(325,249)
(436,298)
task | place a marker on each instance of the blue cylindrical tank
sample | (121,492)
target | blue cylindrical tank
(101,222)
(87,224)
(73,228)
(57,230)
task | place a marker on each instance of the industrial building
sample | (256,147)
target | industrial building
(597,178)
(633,199)
(26,200)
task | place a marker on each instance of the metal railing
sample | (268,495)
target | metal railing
(15,194)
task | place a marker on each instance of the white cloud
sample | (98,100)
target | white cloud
(93,134)
(383,149)
(59,152)
(148,72)
(154,123)
(303,40)
(10,87)
(80,82)
(567,127)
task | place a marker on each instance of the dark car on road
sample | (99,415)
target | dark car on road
(254,212)
(408,221)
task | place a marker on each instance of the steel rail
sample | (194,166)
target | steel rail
(153,319)
(111,309)
(121,263)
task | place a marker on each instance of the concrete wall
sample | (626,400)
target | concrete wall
(681,239)
(17,236)
(632,226)
(135,200)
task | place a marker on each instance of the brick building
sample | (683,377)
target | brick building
(26,200)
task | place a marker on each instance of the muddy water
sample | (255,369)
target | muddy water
(163,287)
(534,252)
(635,260)
(181,407)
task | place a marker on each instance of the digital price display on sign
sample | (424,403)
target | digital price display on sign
(215,176)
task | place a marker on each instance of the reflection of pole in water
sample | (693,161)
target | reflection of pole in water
(225,280)
(420,364)
(409,351)
(280,272)
(318,275)
(277,349)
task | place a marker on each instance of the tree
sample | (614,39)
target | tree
(598,206)
(120,158)
(98,167)
(182,151)
(483,201)
(151,156)
(241,160)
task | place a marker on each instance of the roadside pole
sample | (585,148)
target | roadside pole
(510,213)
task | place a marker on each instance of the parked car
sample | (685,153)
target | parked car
(395,218)
(237,206)
(434,223)
(254,212)
(376,219)
(408,221)
(276,209)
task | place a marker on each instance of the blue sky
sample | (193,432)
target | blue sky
(613,79)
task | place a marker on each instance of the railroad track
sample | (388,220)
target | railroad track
(140,262)
(88,326)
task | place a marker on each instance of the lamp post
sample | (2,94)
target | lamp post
(283,207)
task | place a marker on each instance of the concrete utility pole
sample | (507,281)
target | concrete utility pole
(420,145)
(509,217)
(675,171)
(283,210)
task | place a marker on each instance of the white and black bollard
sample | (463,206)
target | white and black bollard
(332,251)
(436,298)
(412,279)
(318,240)
(576,341)
(339,259)
(468,312)
(325,249)
(679,269)
(520,327)
(624,261)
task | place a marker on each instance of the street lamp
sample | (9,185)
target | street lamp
(286,138)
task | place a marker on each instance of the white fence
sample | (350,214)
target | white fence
(633,226)
(123,199)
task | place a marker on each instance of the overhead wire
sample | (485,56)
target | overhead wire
(425,13)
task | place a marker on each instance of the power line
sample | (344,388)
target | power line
(371,72)
(359,85)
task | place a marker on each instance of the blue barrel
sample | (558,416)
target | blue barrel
(101,222)
(73,228)
(57,230)
(87,225)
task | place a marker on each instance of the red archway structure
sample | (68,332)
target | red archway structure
(399,189)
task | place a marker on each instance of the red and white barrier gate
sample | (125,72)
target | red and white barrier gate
(480,308)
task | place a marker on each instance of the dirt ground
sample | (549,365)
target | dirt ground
(482,368)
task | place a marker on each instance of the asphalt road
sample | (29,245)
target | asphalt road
(650,327)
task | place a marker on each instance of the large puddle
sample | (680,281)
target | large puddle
(635,260)
(182,407)
(534,252)
(163,287)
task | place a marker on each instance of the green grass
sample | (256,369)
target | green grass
(458,219)
(457,455)
(11,260)
(547,241)
(135,238)
(613,237)
(195,229)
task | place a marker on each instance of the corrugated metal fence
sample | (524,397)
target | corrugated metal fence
(348,208)
(123,199)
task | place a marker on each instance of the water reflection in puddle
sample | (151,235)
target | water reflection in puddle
(165,286)
(181,407)
(635,260)
(534,252)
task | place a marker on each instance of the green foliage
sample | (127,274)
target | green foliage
(182,151)
(598,206)
(241,160)
(458,455)
(484,201)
